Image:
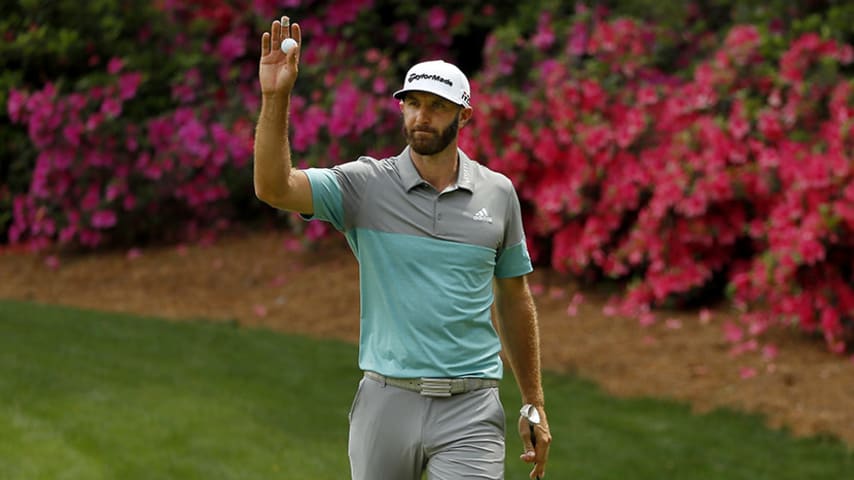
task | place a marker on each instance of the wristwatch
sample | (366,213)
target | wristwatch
(530,413)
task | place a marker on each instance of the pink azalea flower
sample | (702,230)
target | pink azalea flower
(770,352)
(128,85)
(72,133)
(316,230)
(95,120)
(15,105)
(741,43)
(673,324)
(342,116)
(646,319)
(578,39)
(52,262)
(90,238)
(544,37)
(308,130)
(115,65)
(103,219)
(732,332)
(401,32)
(231,46)
(342,13)
(609,310)
(268,8)
(111,107)
(437,18)
(769,126)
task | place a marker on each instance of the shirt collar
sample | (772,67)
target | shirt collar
(411,179)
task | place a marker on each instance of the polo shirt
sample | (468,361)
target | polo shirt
(426,261)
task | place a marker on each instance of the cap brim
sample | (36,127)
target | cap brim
(400,93)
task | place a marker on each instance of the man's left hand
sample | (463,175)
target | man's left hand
(536,447)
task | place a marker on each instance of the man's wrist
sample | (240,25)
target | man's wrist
(276,96)
(536,401)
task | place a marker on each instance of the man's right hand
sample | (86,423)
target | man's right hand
(277,70)
(276,182)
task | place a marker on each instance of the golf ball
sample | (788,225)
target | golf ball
(288,44)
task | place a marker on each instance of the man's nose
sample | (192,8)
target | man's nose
(422,116)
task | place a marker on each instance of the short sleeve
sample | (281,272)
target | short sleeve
(512,259)
(337,192)
(326,197)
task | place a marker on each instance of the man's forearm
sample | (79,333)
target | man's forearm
(517,320)
(272,148)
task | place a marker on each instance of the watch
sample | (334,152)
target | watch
(530,413)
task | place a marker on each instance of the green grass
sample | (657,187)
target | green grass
(88,395)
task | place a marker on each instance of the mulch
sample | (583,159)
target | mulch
(269,280)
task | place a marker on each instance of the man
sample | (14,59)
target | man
(432,230)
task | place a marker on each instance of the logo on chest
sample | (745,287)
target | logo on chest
(482,216)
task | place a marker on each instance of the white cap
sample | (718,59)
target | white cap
(440,78)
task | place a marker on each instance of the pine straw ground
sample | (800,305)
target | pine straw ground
(256,280)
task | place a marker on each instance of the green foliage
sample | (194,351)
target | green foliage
(69,44)
(201,58)
(355,55)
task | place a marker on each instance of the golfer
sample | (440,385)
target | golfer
(438,238)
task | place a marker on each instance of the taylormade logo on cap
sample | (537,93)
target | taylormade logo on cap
(424,76)
(439,78)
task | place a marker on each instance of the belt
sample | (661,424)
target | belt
(435,387)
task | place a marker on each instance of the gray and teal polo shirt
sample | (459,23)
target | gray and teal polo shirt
(426,261)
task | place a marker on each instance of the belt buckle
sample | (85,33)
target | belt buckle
(435,387)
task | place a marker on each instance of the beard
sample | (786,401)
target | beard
(434,143)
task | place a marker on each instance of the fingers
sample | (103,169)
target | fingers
(286,27)
(290,30)
(536,444)
(529,454)
(280,30)
(276,33)
(543,441)
(296,32)
(265,44)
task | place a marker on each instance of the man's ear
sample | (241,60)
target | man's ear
(465,115)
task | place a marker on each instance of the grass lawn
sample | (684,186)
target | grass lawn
(89,395)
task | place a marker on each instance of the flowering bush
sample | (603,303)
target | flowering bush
(644,151)
(152,141)
(135,147)
(740,172)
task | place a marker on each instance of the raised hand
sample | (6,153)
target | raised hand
(277,71)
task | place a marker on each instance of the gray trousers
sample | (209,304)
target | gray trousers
(396,434)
